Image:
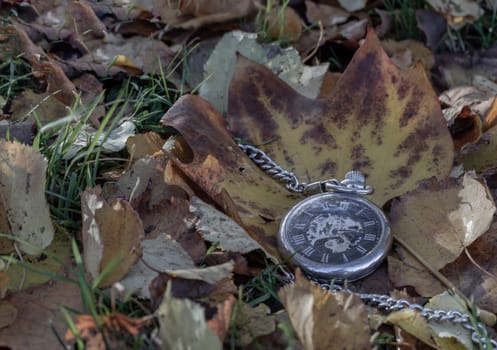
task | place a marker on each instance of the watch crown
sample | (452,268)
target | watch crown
(355,176)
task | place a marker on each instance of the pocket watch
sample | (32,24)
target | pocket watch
(336,234)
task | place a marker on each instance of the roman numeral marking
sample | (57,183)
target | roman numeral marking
(344,205)
(360,249)
(324,258)
(369,237)
(299,226)
(345,258)
(308,251)
(298,239)
(369,223)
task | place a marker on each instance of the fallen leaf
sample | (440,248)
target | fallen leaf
(413,323)
(183,325)
(407,53)
(111,236)
(8,314)
(410,272)
(286,63)
(353,5)
(132,55)
(221,322)
(49,262)
(457,12)
(218,228)
(283,24)
(209,274)
(481,155)
(234,182)
(379,120)
(39,315)
(43,106)
(114,141)
(439,219)
(449,335)
(477,278)
(141,145)
(252,322)
(116,327)
(179,14)
(22,194)
(433,25)
(158,254)
(326,14)
(324,320)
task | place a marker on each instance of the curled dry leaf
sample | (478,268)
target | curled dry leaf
(379,120)
(480,156)
(234,182)
(440,219)
(324,320)
(183,325)
(111,236)
(221,321)
(23,207)
(218,228)
(141,145)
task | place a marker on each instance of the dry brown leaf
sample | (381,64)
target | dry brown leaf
(457,12)
(439,219)
(233,180)
(407,53)
(22,196)
(111,234)
(221,321)
(327,14)
(480,156)
(252,322)
(158,254)
(477,281)
(44,106)
(284,24)
(379,120)
(218,228)
(324,320)
(141,145)
(8,314)
(38,310)
(179,14)
(413,323)
(183,326)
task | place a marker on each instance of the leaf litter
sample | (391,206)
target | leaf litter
(188,220)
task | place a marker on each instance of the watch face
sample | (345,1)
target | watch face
(335,236)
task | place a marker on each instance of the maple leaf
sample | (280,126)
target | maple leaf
(379,120)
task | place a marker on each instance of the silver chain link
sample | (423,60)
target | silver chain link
(382,302)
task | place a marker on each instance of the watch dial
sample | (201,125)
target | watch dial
(334,229)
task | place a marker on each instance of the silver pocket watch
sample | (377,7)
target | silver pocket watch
(336,234)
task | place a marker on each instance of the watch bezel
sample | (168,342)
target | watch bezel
(351,271)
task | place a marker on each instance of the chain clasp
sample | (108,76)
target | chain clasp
(354,182)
